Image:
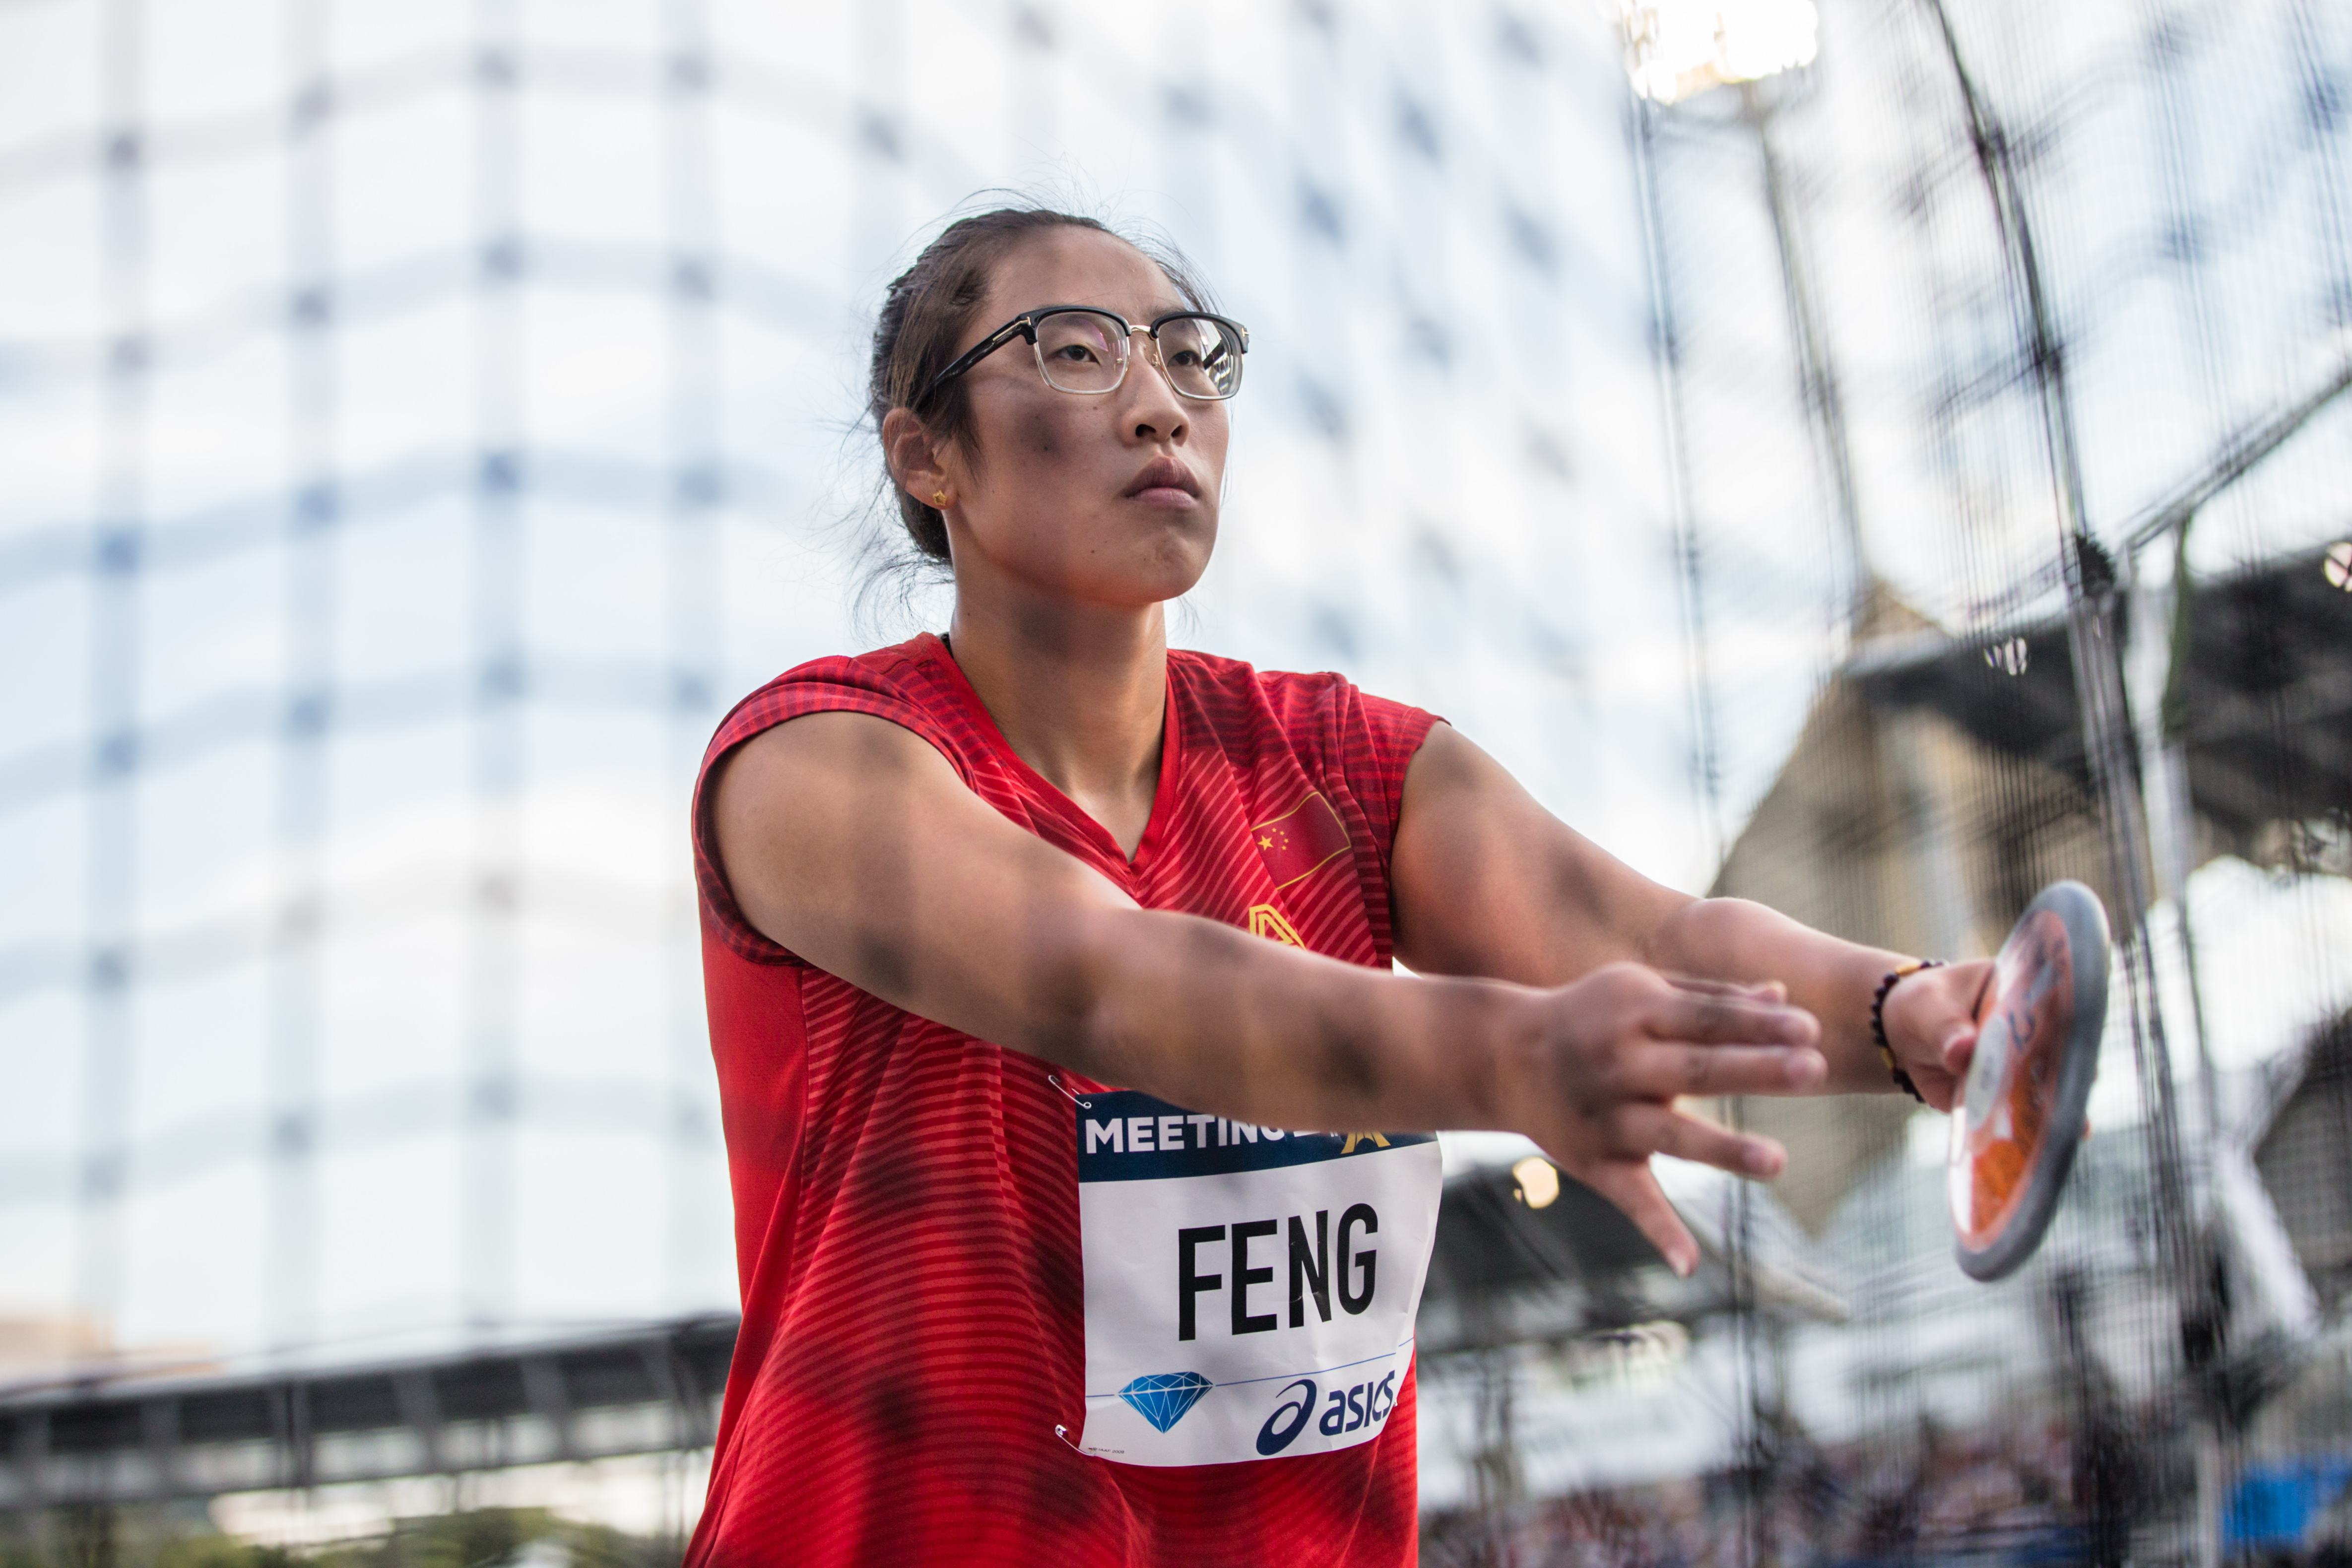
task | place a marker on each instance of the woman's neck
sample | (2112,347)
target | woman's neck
(1080,695)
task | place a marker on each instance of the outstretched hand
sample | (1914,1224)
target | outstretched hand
(1596,1086)
(1931,1023)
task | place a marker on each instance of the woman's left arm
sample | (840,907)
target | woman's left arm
(1488,882)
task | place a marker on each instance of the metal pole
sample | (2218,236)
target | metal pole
(1817,377)
(1667,349)
(2093,624)
(2095,597)
(1705,765)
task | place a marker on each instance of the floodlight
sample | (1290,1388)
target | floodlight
(1538,1181)
(1676,49)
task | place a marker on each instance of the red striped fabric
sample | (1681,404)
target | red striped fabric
(1298,842)
(906,1196)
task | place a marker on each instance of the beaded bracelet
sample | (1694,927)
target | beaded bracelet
(1878,1023)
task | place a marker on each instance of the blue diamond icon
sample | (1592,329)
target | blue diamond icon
(1164,1396)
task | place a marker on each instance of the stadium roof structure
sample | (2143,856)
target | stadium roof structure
(94,1440)
(2260,696)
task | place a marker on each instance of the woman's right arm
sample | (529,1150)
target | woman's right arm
(851,841)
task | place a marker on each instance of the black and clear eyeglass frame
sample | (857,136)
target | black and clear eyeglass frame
(1026,324)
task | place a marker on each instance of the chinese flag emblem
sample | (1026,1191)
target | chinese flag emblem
(1304,838)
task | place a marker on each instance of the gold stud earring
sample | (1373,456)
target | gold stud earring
(939,497)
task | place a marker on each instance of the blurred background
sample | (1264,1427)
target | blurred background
(1874,458)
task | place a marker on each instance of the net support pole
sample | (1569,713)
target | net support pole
(2095,599)
(1817,379)
(2094,627)
(1705,769)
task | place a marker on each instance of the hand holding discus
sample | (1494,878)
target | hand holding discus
(2021,1112)
(2007,1044)
(2009,1047)
(1932,1017)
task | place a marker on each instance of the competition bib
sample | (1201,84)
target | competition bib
(1250,1293)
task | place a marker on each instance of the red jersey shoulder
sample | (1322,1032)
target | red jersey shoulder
(1342,735)
(886,683)
(1308,710)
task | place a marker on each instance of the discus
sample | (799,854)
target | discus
(2020,1117)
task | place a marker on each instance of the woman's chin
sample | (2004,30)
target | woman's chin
(1133,563)
(1150,566)
(1172,577)
(1139,589)
(1143,593)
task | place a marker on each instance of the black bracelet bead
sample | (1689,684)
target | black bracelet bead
(1878,1024)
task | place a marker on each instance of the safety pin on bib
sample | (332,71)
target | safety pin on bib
(1055,1079)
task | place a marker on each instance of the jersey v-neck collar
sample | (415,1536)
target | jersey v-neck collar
(932,646)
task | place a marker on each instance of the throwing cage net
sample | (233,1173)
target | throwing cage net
(2053,305)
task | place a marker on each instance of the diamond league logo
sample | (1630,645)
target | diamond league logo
(1163,1397)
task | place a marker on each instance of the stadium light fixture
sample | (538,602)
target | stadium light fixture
(1538,1181)
(1676,49)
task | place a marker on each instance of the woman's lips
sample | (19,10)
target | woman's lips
(1164,482)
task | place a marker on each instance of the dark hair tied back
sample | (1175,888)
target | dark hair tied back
(927,310)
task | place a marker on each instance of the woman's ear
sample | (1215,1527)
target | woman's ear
(914,463)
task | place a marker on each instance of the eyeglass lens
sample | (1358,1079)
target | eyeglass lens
(1085,351)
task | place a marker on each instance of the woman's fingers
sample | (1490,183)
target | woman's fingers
(1628,1045)
(1958,1044)
(1645,1130)
(1663,1071)
(1710,1019)
(1634,1189)
(1768,992)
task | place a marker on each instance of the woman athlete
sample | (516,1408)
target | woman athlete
(1076,1118)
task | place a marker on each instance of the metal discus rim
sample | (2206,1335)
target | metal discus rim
(2085,921)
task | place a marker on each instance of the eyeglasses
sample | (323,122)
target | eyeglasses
(1080,349)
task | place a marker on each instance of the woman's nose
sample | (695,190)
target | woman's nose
(1159,410)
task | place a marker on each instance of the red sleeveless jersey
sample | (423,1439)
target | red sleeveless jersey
(905,1195)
